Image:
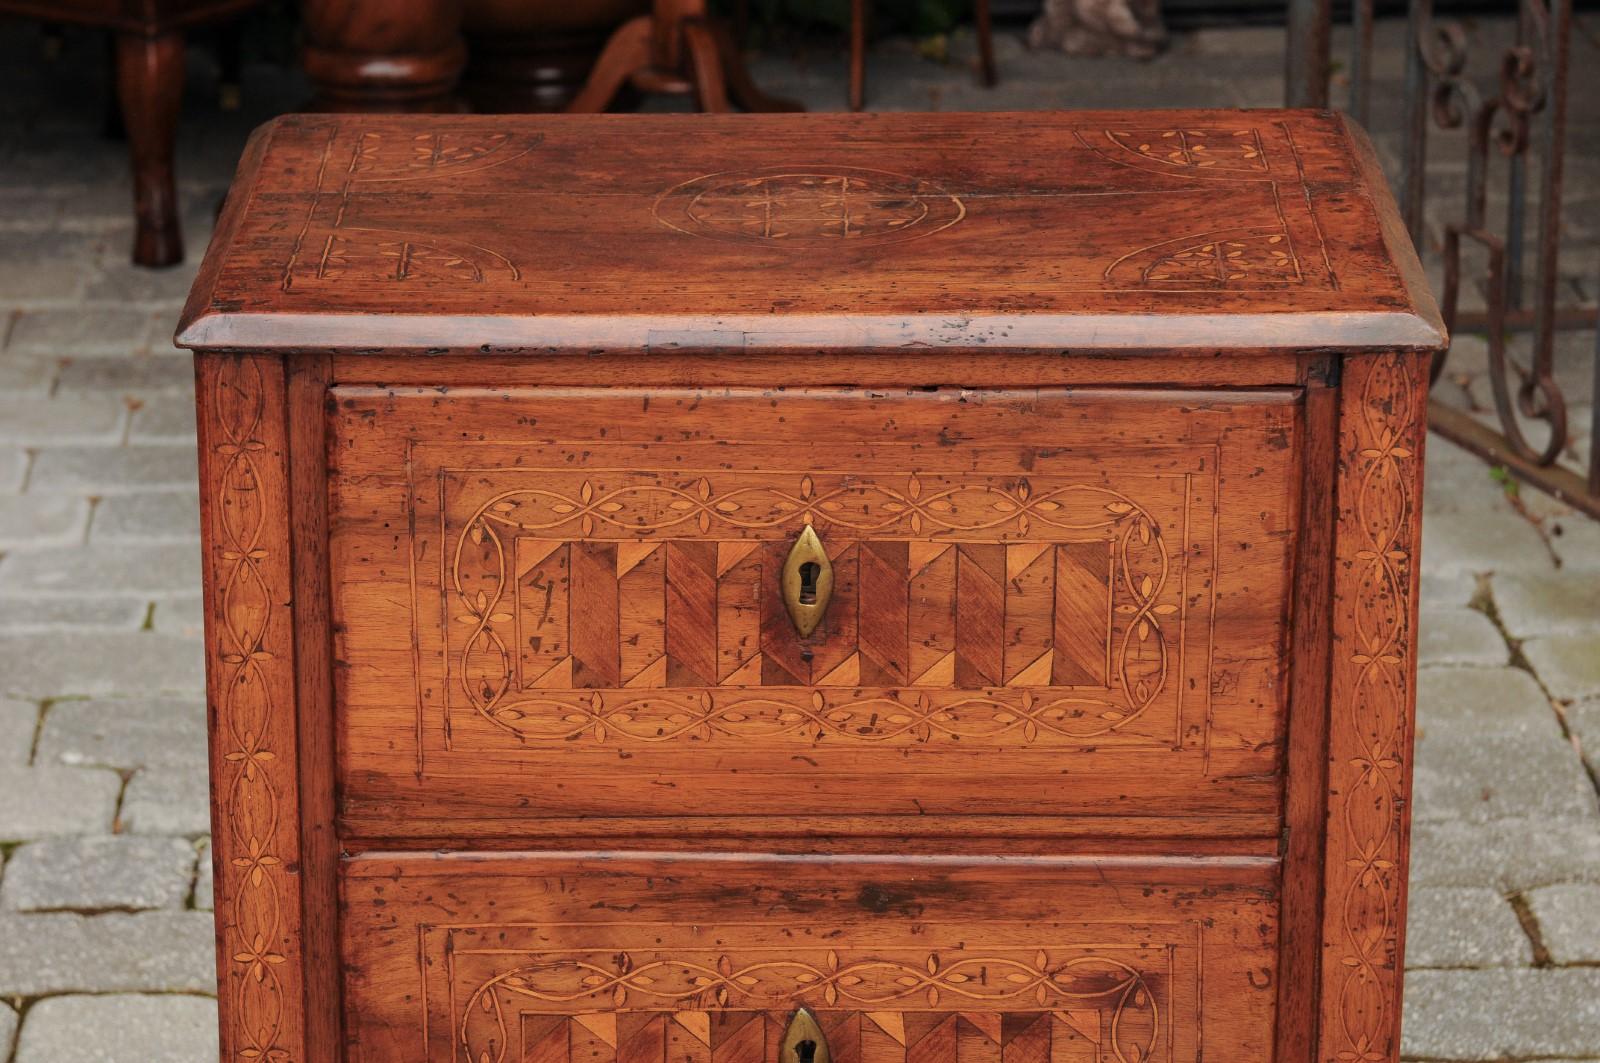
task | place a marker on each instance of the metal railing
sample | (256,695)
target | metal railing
(1522,122)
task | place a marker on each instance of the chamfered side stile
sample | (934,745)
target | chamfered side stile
(1383,423)
(250,691)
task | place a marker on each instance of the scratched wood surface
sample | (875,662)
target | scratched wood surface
(657,959)
(1110,425)
(1091,229)
(557,603)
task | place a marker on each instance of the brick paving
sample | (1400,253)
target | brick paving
(105,933)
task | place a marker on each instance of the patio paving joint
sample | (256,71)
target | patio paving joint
(1530,927)
(30,456)
(1483,601)
(126,775)
(88,524)
(23,1004)
(1512,489)
(45,705)
(202,851)
(38,729)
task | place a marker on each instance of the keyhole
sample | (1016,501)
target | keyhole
(809,571)
(806,583)
(804,1041)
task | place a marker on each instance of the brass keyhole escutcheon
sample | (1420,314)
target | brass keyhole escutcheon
(803,1042)
(807,581)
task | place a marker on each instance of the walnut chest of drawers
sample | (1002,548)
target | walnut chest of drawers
(898,589)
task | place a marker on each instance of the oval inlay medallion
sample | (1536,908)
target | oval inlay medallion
(808,207)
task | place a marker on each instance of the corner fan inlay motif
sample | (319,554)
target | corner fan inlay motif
(340,250)
(1229,151)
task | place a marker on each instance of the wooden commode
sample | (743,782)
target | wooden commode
(833,589)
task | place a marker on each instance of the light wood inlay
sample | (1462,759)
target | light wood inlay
(934,961)
(1083,576)
(532,739)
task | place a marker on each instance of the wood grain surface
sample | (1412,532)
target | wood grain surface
(1382,428)
(557,604)
(251,697)
(1110,426)
(1068,230)
(613,956)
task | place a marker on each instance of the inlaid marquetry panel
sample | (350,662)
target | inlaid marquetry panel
(1046,608)
(694,614)
(1076,1036)
(1050,965)
(602,601)
(1115,1015)
(506,427)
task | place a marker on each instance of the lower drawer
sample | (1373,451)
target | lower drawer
(573,958)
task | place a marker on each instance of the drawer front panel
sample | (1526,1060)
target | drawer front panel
(573,607)
(677,959)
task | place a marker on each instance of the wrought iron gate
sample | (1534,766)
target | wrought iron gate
(1523,122)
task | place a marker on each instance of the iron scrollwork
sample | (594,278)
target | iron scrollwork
(1521,119)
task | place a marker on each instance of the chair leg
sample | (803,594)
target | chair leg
(741,86)
(705,67)
(858,54)
(150,87)
(627,52)
(985,42)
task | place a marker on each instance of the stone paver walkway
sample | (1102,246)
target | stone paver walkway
(105,928)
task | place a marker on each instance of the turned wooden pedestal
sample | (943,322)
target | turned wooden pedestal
(384,55)
(677,49)
(903,588)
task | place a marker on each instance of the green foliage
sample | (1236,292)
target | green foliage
(1502,476)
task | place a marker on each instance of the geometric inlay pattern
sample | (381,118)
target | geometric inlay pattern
(971,1004)
(626,607)
(808,207)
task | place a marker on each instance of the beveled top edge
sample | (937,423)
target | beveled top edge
(1402,252)
(436,334)
(208,324)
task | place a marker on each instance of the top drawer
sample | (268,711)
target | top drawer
(1061,609)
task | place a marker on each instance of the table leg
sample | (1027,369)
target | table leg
(150,87)
(985,32)
(627,52)
(741,86)
(705,64)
